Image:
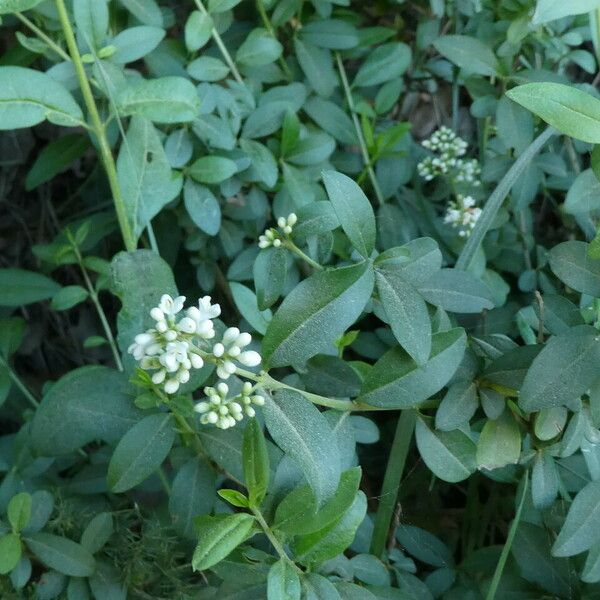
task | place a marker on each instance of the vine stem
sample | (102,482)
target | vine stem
(391,480)
(287,243)
(265,380)
(222,48)
(507,546)
(272,537)
(46,39)
(17,381)
(269,27)
(359,133)
(95,300)
(97,127)
(492,206)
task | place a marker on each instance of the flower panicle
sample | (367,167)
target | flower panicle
(181,341)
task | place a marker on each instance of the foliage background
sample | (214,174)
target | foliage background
(185,130)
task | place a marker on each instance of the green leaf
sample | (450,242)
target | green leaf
(139,279)
(563,370)
(353,209)
(98,532)
(327,543)
(499,443)
(298,513)
(406,312)
(448,455)
(145,175)
(10,552)
(198,30)
(584,194)
(12,6)
(212,169)
(331,118)
(396,381)
(582,525)
(283,582)
(384,63)
(202,206)
(91,23)
(424,546)
(468,53)
(259,49)
(162,100)
(57,156)
(334,34)
(28,97)
(86,404)
(234,497)
(19,511)
(316,64)
(544,481)
(146,11)
(550,422)
(549,10)
(317,587)
(564,107)
(316,313)
(315,218)
(572,265)
(135,43)
(246,303)
(269,270)
(68,297)
(457,291)
(62,554)
(457,407)
(207,68)
(304,434)
(192,494)
(256,462)
(217,6)
(416,262)
(25,287)
(140,452)
(218,536)
(263,165)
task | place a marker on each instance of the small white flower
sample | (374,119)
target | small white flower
(463,215)
(171,306)
(171,386)
(187,325)
(249,358)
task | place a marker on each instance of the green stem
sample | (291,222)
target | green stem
(97,127)
(359,133)
(507,546)
(269,27)
(17,381)
(46,39)
(287,243)
(492,206)
(95,300)
(222,48)
(271,536)
(163,479)
(391,480)
(266,381)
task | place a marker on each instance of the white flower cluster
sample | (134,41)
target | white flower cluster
(272,237)
(225,412)
(176,345)
(463,214)
(448,149)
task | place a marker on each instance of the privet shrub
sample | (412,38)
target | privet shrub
(300,299)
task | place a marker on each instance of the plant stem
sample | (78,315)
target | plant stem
(492,206)
(222,48)
(359,133)
(268,382)
(391,480)
(269,27)
(95,300)
(271,536)
(287,243)
(17,381)
(507,546)
(97,128)
(46,39)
